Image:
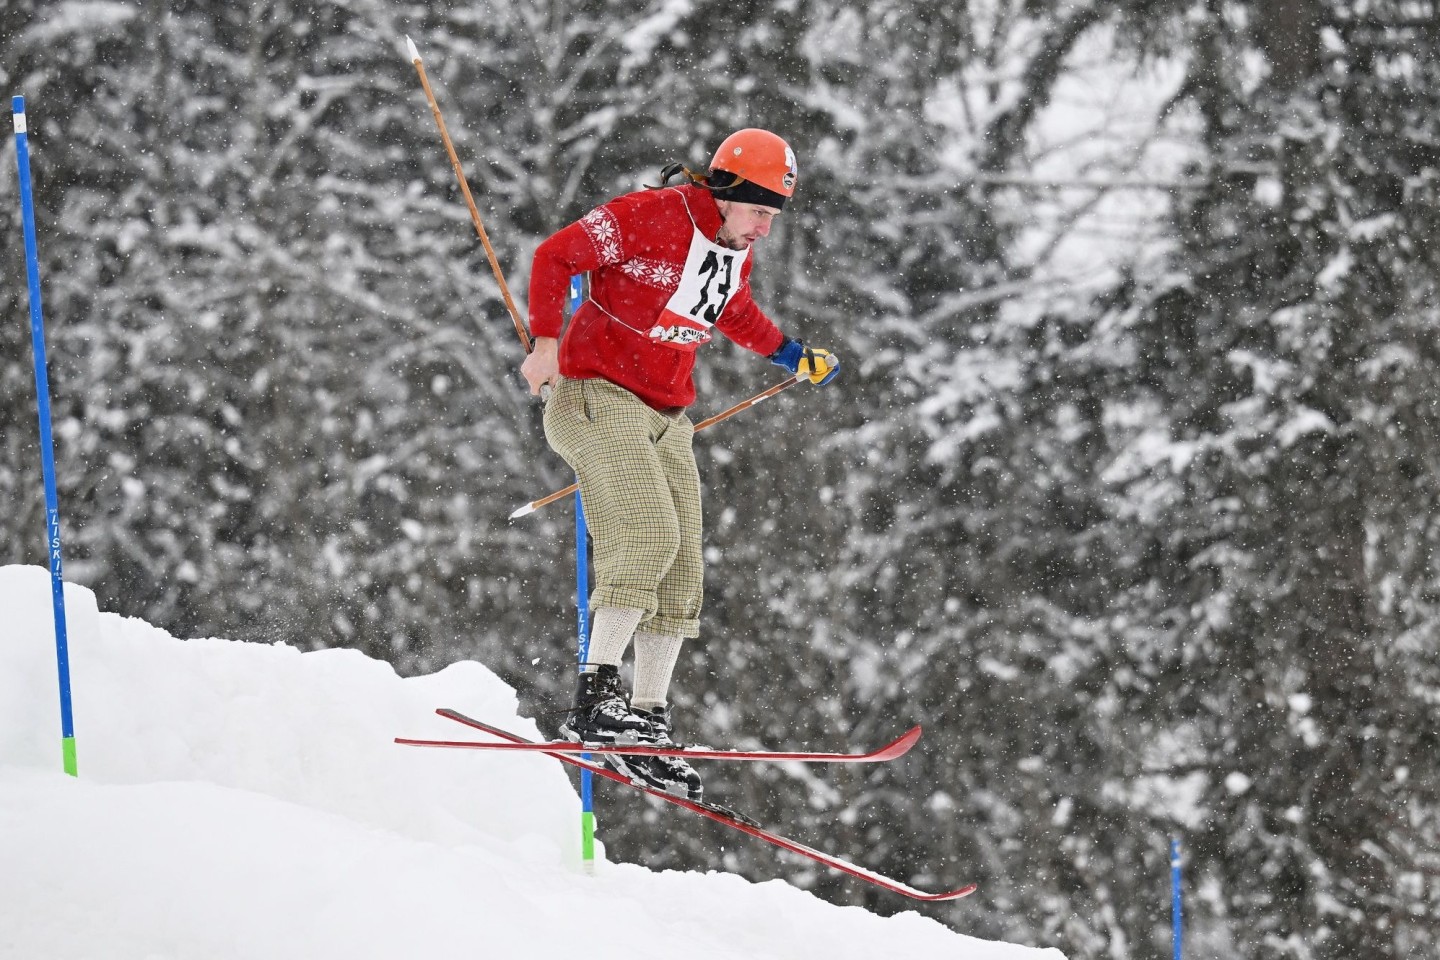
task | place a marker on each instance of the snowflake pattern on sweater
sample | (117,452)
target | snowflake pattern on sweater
(604,233)
(655,273)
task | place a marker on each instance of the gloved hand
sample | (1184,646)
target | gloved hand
(820,366)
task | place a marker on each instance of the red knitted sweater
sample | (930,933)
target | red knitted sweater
(634,249)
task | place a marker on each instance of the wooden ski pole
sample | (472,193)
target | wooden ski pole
(534,505)
(469,200)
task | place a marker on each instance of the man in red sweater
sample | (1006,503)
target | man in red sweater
(667,267)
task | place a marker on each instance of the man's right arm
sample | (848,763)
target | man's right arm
(558,258)
(592,242)
(585,245)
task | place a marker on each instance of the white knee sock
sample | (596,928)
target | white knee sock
(655,656)
(610,632)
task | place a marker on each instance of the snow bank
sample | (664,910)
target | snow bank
(238,800)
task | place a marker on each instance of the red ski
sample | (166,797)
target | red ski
(895,748)
(718,814)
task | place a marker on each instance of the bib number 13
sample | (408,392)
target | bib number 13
(716,274)
(709,279)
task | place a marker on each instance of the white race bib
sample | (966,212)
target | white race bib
(710,278)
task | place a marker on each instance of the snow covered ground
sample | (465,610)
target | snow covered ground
(246,801)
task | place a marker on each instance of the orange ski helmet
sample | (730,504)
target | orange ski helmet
(754,166)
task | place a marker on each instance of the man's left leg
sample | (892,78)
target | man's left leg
(659,640)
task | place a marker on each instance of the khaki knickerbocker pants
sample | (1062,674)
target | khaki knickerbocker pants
(641,493)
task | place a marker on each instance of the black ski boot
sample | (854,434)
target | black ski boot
(601,713)
(671,775)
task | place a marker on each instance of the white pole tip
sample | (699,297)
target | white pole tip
(414,53)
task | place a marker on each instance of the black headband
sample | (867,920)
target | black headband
(727,186)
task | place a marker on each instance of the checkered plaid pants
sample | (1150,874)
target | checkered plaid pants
(641,492)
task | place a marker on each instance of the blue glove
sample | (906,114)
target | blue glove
(820,366)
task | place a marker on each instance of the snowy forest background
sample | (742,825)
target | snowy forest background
(1129,490)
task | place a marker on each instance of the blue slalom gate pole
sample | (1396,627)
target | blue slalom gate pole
(582,607)
(582,610)
(1175,917)
(47,445)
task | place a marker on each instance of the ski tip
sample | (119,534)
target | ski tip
(899,746)
(964,891)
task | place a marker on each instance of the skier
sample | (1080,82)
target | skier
(667,265)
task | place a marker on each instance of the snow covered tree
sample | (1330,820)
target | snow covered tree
(1289,487)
